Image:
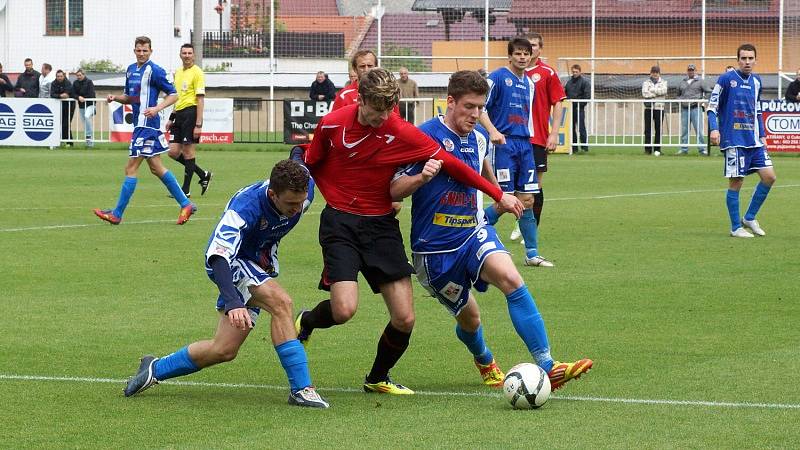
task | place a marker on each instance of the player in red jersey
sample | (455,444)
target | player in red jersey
(549,93)
(353,158)
(360,63)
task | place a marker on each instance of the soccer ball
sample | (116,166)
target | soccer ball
(526,386)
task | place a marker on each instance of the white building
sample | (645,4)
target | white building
(63,33)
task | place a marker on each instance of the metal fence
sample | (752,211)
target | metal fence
(616,37)
(88,124)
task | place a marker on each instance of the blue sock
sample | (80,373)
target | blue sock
(530,326)
(174,188)
(125,194)
(759,196)
(732,200)
(491,215)
(475,344)
(529,231)
(294,362)
(174,365)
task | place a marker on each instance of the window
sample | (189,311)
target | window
(56,19)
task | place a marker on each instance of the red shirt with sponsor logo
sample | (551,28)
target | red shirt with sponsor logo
(353,164)
(548,91)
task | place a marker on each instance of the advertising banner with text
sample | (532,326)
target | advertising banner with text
(300,118)
(217,121)
(30,122)
(782,122)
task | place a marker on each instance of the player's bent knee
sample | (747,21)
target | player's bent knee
(276,301)
(509,281)
(404,323)
(221,354)
(342,313)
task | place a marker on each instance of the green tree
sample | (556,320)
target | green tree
(412,64)
(100,65)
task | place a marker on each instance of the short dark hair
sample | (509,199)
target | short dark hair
(379,89)
(141,40)
(747,48)
(288,175)
(361,53)
(576,66)
(187,45)
(519,42)
(466,82)
(28,60)
(534,35)
(79,71)
(48,66)
(60,71)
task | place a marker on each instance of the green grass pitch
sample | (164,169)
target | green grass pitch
(694,334)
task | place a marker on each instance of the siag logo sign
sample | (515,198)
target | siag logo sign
(8,121)
(38,122)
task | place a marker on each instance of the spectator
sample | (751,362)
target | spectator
(46,79)
(28,82)
(692,88)
(408,89)
(82,89)
(5,83)
(352,75)
(792,91)
(322,89)
(61,89)
(578,89)
(654,87)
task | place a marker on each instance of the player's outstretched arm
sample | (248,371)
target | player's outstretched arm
(119,99)
(169,100)
(236,311)
(405,185)
(495,136)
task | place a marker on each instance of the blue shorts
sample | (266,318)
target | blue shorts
(246,273)
(514,166)
(449,276)
(147,142)
(741,161)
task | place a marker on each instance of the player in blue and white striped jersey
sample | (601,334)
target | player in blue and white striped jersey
(242,260)
(736,125)
(454,249)
(144,81)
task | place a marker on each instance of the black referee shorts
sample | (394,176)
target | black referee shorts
(182,131)
(372,245)
(540,157)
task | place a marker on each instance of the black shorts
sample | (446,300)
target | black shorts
(372,245)
(182,131)
(540,157)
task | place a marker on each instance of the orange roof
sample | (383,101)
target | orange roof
(352,27)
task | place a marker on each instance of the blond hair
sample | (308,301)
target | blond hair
(379,89)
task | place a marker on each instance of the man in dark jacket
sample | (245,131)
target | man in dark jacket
(82,89)
(5,83)
(322,89)
(28,82)
(61,89)
(793,90)
(578,89)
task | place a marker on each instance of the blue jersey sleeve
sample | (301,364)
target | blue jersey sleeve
(161,82)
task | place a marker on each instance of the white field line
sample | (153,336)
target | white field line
(698,403)
(595,197)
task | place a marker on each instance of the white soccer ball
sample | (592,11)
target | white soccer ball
(526,386)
